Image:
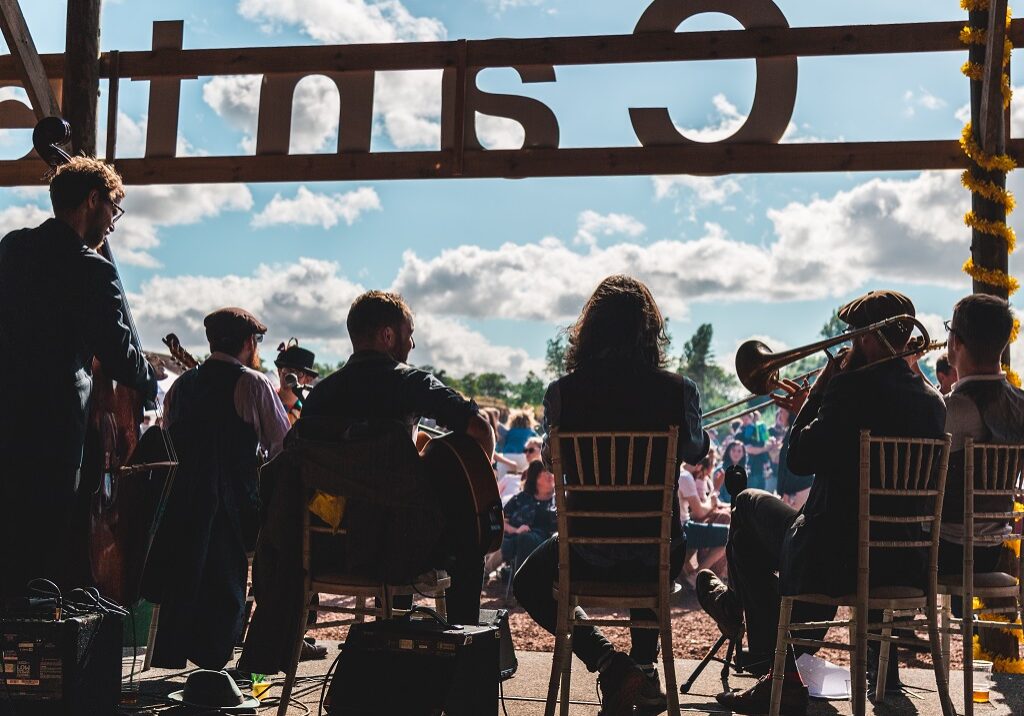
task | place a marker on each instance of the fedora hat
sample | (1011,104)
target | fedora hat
(213,690)
(290,355)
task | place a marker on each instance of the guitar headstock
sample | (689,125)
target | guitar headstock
(185,359)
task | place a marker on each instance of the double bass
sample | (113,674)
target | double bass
(125,476)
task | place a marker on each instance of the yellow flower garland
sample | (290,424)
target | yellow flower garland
(993,163)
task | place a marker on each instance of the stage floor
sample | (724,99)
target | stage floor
(525,692)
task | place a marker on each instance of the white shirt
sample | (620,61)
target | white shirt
(256,403)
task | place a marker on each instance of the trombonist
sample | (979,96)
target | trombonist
(814,550)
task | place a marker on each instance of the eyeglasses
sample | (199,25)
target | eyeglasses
(948,325)
(118,211)
(259,337)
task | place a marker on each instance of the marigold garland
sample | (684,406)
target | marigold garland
(990,190)
(998,229)
(993,277)
(989,162)
(1000,664)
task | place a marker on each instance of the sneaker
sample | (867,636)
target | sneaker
(653,700)
(720,604)
(311,651)
(622,684)
(758,698)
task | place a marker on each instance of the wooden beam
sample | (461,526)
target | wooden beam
(991,82)
(81,73)
(27,63)
(516,164)
(583,50)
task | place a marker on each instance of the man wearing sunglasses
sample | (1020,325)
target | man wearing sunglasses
(220,416)
(60,307)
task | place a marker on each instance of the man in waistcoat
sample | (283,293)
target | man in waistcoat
(221,417)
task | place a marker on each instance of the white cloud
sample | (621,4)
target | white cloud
(921,99)
(311,208)
(309,299)
(407,105)
(705,190)
(500,6)
(499,132)
(448,343)
(20,217)
(591,225)
(728,122)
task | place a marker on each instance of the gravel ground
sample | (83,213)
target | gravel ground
(693,632)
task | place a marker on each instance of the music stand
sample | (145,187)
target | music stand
(735,483)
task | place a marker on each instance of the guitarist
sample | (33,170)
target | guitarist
(60,307)
(377,385)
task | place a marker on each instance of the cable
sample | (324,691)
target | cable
(501,695)
(327,679)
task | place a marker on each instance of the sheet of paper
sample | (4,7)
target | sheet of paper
(824,679)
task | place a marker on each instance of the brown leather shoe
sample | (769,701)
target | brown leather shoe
(758,698)
(622,686)
(311,651)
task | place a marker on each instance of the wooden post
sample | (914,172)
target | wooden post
(82,73)
(987,251)
(26,60)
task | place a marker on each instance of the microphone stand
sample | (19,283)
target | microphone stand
(735,483)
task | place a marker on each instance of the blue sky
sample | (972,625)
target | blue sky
(493,267)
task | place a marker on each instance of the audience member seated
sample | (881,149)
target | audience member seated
(705,521)
(735,454)
(754,435)
(984,406)
(792,488)
(616,382)
(946,373)
(520,430)
(530,515)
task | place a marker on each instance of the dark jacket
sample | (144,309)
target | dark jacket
(624,397)
(196,567)
(820,550)
(60,306)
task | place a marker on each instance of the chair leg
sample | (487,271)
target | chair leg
(967,632)
(946,612)
(561,633)
(781,645)
(938,666)
(668,660)
(566,669)
(293,662)
(385,602)
(154,621)
(883,656)
(859,663)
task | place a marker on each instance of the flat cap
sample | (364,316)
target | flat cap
(290,355)
(232,322)
(876,306)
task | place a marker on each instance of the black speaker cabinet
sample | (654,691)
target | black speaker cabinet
(417,666)
(69,667)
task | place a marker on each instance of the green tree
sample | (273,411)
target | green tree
(529,392)
(493,385)
(554,356)
(325,369)
(697,363)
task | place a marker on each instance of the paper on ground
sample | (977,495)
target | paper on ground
(824,679)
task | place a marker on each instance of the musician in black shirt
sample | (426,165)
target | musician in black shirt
(376,385)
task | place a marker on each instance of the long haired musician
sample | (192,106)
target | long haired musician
(60,307)
(814,550)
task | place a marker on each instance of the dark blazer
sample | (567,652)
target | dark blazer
(820,550)
(60,305)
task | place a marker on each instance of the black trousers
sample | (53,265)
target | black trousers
(759,524)
(532,587)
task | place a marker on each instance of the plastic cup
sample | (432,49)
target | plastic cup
(982,681)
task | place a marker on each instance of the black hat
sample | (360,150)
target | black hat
(289,355)
(213,690)
(875,306)
(231,322)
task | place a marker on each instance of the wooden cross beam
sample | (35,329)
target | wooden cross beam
(26,60)
(991,82)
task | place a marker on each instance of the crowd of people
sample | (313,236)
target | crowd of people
(793,530)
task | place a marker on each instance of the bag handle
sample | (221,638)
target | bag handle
(429,612)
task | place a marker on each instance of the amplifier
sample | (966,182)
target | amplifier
(416,666)
(508,663)
(69,667)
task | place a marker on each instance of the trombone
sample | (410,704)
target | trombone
(758,367)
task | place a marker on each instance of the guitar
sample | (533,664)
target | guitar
(181,356)
(465,479)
